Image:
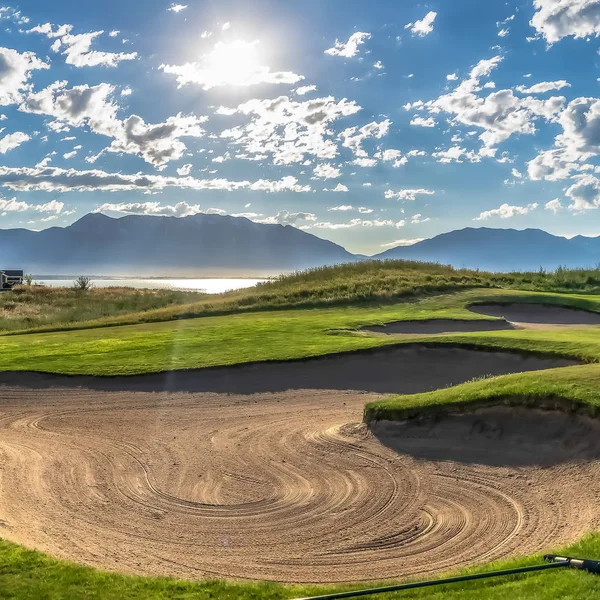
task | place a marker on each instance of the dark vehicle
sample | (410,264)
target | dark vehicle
(9,278)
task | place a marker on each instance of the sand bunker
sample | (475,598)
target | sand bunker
(286,486)
(537,314)
(439,326)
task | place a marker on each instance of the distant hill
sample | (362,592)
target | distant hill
(502,250)
(151,245)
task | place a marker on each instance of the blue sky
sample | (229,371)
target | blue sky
(370,124)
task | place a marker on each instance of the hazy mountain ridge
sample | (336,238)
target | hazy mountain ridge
(148,245)
(502,250)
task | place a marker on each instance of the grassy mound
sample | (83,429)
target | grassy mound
(361,283)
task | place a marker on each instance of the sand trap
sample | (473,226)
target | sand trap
(402,369)
(286,486)
(439,326)
(537,314)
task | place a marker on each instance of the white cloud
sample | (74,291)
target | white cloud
(543,87)
(407,194)
(177,7)
(305,89)
(367,184)
(364,162)
(68,155)
(452,77)
(556,19)
(553,205)
(404,242)
(114,33)
(500,114)
(50,179)
(418,219)
(340,187)
(15,74)
(234,63)
(184,170)
(126,91)
(342,207)
(584,193)
(357,223)
(181,209)
(284,217)
(424,26)
(12,140)
(353,137)
(503,32)
(288,130)
(423,122)
(225,26)
(350,48)
(13,205)
(378,65)
(77,48)
(505,211)
(327,171)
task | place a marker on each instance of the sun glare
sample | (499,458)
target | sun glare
(235,63)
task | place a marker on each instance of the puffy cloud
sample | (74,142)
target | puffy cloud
(505,211)
(13,205)
(418,219)
(349,48)
(340,187)
(424,26)
(356,223)
(289,130)
(92,105)
(327,171)
(181,209)
(403,242)
(364,162)
(552,165)
(407,194)
(342,207)
(423,122)
(234,63)
(459,154)
(378,65)
(305,89)
(353,137)
(49,179)
(15,72)
(553,205)
(12,140)
(503,32)
(77,48)
(543,87)
(500,114)
(184,170)
(176,8)
(284,217)
(584,193)
(556,19)
(451,77)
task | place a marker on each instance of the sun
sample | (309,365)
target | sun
(235,63)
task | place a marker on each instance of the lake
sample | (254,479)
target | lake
(208,286)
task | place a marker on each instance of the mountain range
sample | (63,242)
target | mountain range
(217,245)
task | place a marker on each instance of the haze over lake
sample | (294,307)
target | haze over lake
(208,286)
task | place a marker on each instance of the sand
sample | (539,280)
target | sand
(537,314)
(288,485)
(439,326)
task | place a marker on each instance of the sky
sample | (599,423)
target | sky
(372,124)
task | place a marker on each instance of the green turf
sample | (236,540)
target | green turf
(289,334)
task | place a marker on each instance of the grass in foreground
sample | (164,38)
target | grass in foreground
(27,574)
(361,283)
(291,334)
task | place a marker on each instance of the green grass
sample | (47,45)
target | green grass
(286,335)
(368,282)
(27,575)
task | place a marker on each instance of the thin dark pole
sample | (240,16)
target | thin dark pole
(422,584)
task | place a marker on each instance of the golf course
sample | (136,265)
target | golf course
(324,431)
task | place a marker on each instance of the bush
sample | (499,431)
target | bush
(83,284)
